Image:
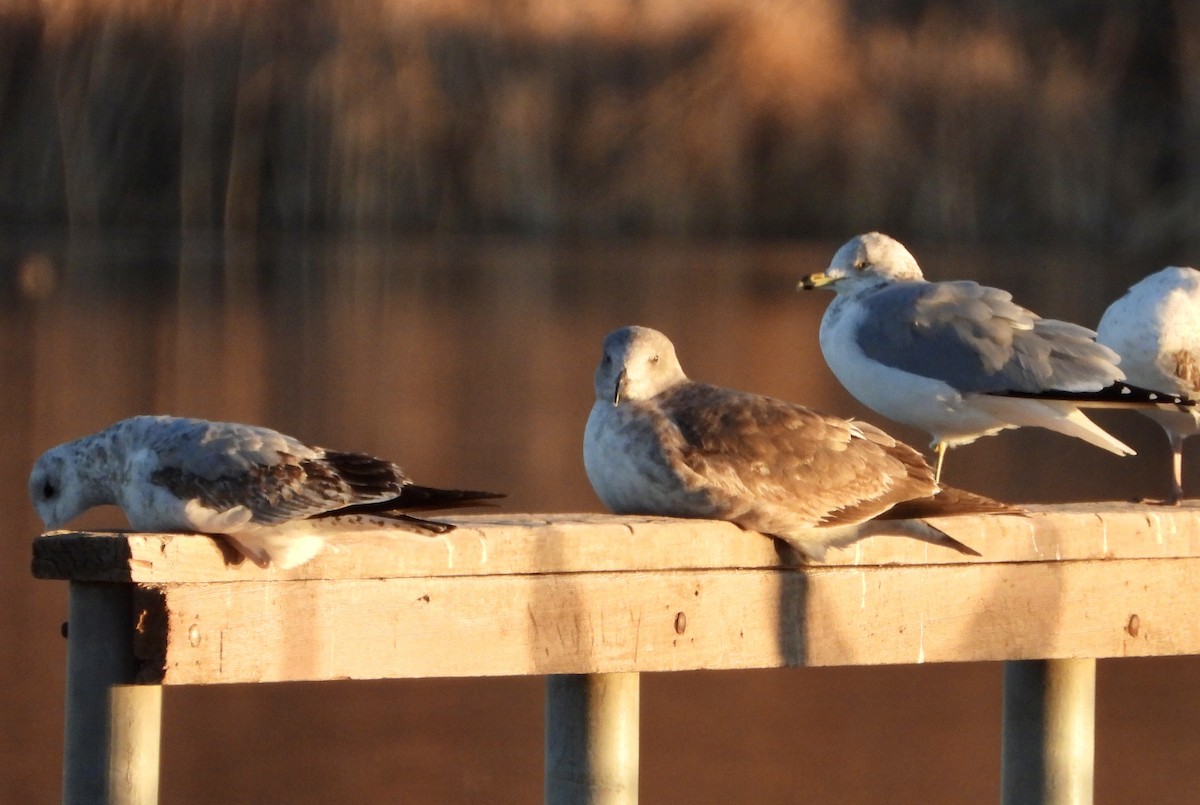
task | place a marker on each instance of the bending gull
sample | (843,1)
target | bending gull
(960,360)
(659,443)
(271,495)
(1155,328)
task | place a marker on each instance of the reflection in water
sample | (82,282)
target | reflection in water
(470,364)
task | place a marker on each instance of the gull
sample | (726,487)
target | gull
(658,443)
(960,360)
(1155,328)
(271,495)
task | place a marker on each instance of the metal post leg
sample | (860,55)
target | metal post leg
(112,730)
(592,739)
(1049,732)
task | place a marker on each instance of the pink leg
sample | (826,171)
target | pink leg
(262,561)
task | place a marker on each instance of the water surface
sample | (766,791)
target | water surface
(470,363)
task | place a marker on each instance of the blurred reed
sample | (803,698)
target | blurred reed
(715,117)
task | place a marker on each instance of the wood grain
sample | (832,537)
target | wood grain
(579,543)
(583,594)
(670,621)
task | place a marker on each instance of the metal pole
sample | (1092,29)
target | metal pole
(112,730)
(1048,739)
(592,739)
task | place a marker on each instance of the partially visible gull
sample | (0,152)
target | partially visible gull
(957,359)
(1155,328)
(659,443)
(271,495)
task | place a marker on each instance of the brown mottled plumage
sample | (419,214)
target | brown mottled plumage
(659,443)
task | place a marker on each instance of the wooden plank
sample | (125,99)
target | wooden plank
(572,543)
(666,621)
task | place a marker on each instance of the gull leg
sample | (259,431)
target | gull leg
(940,448)
(1176,496)
(1176,469)
(257,557)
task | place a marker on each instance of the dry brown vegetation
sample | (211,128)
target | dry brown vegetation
(993,119)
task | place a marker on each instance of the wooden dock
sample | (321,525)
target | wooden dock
(590,601)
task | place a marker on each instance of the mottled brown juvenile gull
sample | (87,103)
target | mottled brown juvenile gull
(1155,328)
(659,443)
(960,360)
(271,495)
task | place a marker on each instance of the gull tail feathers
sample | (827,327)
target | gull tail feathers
(813,549)
(419,498)
(905,519)
(1075,423)
(373,477)
(1060,416)
(923,531)
(948,502)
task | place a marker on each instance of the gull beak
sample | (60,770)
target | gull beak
(814,281)
(619,388)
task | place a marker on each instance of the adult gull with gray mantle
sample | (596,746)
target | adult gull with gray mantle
(659,443)
(1155,328)
(271,495)
(958,359)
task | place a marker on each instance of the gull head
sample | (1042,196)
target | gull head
(866,261)
(56,488)
(637,364)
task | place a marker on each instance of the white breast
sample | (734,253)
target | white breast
(926,403)
(627,471)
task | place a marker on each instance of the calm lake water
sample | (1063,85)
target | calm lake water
(470,364)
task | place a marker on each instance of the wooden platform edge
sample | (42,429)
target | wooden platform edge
(263,631)
(582,543)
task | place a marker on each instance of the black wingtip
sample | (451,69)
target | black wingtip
(420,498)
(1118,395)
(416,498)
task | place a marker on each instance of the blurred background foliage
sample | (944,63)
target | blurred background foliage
(403,226)
(944,119)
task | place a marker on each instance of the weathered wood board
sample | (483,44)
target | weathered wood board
(539,594)
(585,543)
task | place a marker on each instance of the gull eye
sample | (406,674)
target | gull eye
(48,490)
(860,264)
(653,359)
